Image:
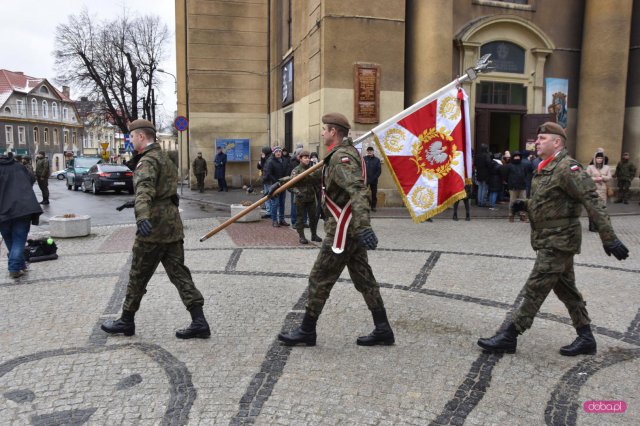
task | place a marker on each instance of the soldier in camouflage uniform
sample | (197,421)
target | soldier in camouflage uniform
(159,237)
(560,187)
(305,197)
(200,170)
(42,175)
(625,173)
(346,241)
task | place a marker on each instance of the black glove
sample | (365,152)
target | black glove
(619,250)
(272,189)
(128,205)
(368,239)
(144,227)
(518,206)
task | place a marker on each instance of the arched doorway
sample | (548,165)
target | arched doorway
(506,105)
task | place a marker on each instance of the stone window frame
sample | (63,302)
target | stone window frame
(54,110)
(45,109)
(22,135)
(34,107)
(19,106)
(8,134)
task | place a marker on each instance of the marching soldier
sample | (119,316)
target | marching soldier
(305,197)
(348,237)
(159,237)
(559,189)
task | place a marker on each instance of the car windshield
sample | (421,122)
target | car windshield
(81,169)
(84,163)
(114,168)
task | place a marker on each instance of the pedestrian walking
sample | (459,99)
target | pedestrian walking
(348,236)
(559,189)
(200,170)
(42,175)
(159,238)
(18,210)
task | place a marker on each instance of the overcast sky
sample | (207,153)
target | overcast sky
(27,35)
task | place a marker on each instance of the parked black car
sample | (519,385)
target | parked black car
(77,168)
(107,177)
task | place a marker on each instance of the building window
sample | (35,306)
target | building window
(22,136)
(7,110)
(36,139)
(73,138)
(44,90)
(490,92)
(8,132)
(54,109)
(65,135)
(45,109)
(45,136)
(506,56)
(55,137)
(20,107)
(65,113)
(34,107)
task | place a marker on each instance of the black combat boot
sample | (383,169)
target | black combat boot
(198,328)
(382,334)
(504,341)
(303,335)
(314,233)
(303,239)
(585,343)
(124,324)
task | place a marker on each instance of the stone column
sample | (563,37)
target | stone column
(429,47)
(603,78)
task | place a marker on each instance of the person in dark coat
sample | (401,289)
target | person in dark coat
(374,170)
(483,164)
(19,209)
(264,156)
(221,166)
(515,174)
(494,181)
(274,169)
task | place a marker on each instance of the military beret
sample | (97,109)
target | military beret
(141,124)
(337,119)
(303,154)
(552,128)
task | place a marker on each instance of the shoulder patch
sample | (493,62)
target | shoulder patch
(139,164)
(345,160)
(575,168)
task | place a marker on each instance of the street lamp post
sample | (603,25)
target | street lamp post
(175,80)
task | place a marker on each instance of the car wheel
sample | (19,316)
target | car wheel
(61,177)
(94,188)
(84,188)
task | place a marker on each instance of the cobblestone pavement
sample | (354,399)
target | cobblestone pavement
(444,283)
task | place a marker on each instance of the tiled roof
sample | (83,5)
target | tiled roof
(11,81)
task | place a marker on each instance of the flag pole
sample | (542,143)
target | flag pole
(261,201)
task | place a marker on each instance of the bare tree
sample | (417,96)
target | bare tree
(113,62)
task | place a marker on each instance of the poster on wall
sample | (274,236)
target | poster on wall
(237,150)
(556,97)
(287,82)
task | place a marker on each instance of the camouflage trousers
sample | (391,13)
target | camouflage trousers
(146,258)
(327,270)
(553,270)
(623,189)
(311,208)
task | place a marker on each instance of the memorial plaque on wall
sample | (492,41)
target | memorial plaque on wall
(366,83)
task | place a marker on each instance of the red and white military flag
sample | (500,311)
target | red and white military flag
(428,150)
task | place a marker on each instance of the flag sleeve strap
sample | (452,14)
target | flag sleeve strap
(349,177)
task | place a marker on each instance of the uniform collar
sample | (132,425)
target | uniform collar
(554,160)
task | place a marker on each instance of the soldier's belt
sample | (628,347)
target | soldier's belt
(556,223)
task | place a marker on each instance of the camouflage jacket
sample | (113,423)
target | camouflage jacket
(42,168)
(558,192)
(199,166)
(343,181)
(155,181)
(625,171)
(306,189)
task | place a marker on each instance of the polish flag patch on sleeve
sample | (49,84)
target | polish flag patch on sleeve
(345,160)
(575,168)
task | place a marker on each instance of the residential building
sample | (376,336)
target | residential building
(35,116)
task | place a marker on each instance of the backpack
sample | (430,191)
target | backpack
(40,250)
